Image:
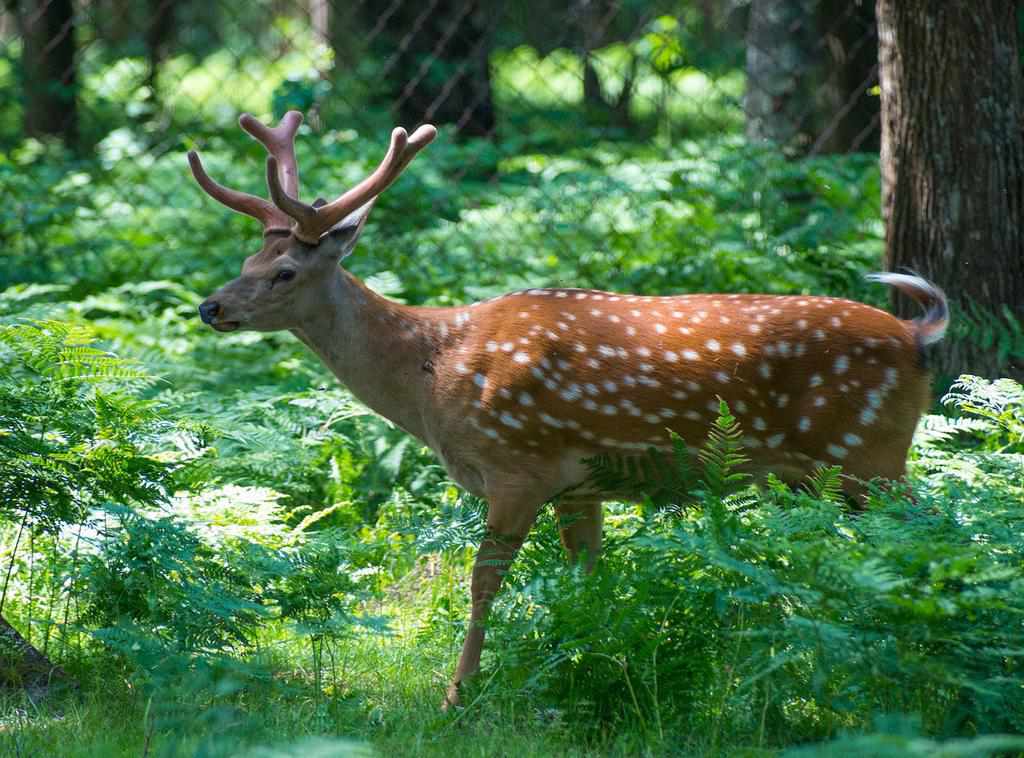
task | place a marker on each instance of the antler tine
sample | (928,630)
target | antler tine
(385,173)
(312,222)
(303,214)
(280,143)
(419,140)
(272,218)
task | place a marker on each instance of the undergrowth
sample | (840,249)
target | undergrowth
(228,553)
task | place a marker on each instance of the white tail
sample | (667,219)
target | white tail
(513,393)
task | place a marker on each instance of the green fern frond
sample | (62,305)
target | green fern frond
(825,484)
(721,454)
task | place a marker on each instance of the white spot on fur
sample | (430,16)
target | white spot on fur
(842,364)
(571,393)
(509,420)
(836,451)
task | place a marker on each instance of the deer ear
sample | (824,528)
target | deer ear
(340,239)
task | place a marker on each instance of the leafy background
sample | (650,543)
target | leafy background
(229,555)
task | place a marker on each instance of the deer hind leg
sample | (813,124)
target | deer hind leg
(509,519)
(580,527)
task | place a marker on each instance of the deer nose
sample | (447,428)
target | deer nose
(208,311)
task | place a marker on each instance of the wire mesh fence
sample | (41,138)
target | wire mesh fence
(136,81)
(531,92)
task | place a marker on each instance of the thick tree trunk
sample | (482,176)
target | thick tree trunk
(48,63)
(780,57)
(953,164)
(24,666)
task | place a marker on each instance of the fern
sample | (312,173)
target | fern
(722,453)
(825,483)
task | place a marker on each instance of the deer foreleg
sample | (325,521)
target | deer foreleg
(507,527)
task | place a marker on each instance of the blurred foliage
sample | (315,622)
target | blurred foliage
(232,554)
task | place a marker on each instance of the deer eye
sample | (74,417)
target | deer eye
(284,275)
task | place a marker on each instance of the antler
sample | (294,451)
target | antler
(311,222)
(280,143)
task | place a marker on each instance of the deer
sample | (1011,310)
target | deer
(514,393)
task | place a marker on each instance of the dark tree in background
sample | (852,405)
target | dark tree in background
(47,29)
(780,51)
(159,37)
(849,112)
(810,67)
(436,60)
(953,160)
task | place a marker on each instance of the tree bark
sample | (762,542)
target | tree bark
(48,62)
(953,166)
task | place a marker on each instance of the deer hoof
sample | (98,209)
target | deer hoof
(451,698)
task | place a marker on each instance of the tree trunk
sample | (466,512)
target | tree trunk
(595,19)
(158,37)
(24,666)
(780,57)
(437,61)
(48,62)
(953,166)
(848,117)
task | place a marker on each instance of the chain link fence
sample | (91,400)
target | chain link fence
(134,81)
(109,94)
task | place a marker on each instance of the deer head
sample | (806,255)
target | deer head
(302,244)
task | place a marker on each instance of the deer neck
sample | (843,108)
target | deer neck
(379,349)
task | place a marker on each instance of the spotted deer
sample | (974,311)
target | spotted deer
(513,393)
